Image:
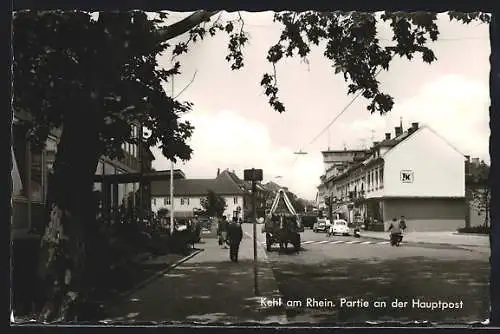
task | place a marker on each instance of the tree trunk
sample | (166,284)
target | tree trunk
(63,253)
(494,183)
(468,199)
(487,208)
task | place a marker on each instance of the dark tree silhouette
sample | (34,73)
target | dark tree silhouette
(213,205)
(93,77)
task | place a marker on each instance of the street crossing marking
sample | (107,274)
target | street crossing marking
(339,242)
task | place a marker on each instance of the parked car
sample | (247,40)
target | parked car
(204,223)
(321,225)
(339,226)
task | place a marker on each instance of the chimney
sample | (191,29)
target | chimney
(467,165)
(414,126)
(475,161)
(398,131)
(388,136)
(218,171)
(375,143)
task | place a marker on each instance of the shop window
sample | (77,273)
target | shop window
(20,154)
(17,185)
(37,176)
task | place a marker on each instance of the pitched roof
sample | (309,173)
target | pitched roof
(391,143)
(273,186)
(224,184)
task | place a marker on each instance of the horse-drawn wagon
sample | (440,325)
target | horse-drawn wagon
(282,224)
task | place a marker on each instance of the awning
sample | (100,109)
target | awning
(16,177)
(183,214)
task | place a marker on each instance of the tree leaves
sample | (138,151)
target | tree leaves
(352,47)
(213,205)
(62,59)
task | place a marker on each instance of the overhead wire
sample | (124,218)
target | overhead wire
(326,128)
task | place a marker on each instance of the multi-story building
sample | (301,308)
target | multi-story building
(416,173)
(189,193)
(335,162)
(31,169)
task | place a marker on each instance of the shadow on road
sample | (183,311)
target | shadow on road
(385,280)
(203,292)
(287,251)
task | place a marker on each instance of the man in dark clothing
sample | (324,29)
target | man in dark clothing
(235,234)
(222,231)
(402,223)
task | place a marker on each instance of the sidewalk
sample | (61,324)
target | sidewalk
(207,288)
(438,237)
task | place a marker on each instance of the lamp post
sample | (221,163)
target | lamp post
(172,177)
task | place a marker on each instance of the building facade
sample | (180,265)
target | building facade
(31,170)
(416,174)
(189,193)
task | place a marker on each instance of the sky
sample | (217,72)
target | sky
(235,128)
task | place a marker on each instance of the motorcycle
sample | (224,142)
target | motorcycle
(396,239)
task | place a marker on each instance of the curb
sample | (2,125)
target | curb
(424,243)
(282,318)
(155,276)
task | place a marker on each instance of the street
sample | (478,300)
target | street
(331,280)
(371,270)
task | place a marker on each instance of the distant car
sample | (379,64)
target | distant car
(339,226)
(321,225)
(308,220)
(204,223)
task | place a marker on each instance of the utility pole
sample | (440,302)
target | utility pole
(254,175)
(254,215)
(172,179)
(328,139)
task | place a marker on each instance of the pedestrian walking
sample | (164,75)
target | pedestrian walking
(235,234)
(222,228)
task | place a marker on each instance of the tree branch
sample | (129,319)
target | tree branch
(187,86)
(184,25)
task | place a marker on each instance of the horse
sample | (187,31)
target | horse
(287,233)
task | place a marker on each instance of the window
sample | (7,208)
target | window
(376,179)
(235,200)
(183,201)
(166,201)
(133,131)
(381,175)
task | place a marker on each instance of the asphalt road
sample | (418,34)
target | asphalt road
(352,274)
